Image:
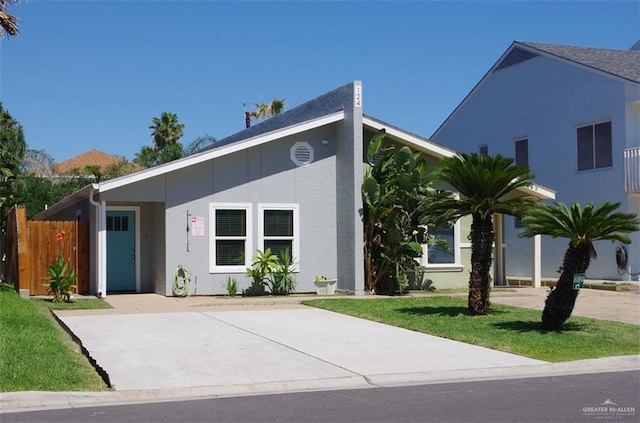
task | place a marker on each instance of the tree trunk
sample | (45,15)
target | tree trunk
(481,258)
(560,302)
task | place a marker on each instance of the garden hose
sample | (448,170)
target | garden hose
(181,282)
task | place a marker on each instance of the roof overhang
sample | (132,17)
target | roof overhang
(67,202)
(221,151)
(440,152)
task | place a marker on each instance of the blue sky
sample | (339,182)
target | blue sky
(92,74)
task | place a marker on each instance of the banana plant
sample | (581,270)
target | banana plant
(395,186)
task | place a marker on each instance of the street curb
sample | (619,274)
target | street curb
(13,402)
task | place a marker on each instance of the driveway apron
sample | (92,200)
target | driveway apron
(229,348)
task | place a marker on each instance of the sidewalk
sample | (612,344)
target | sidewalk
(156,348)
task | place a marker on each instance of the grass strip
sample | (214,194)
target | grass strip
(37,354)
(511,329)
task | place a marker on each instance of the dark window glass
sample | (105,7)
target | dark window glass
(604,156)
(278,223)
(279,247)
(125,223)
(522,152)
(229,252)
(231,222)
(109,223)
(437,254)
(585,148)
(117,220)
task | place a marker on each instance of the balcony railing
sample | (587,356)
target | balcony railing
(632,169)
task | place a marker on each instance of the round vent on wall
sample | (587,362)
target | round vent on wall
(302,153)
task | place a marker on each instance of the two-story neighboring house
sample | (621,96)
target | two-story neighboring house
(573,115)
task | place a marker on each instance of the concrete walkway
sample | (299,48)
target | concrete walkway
(159,348)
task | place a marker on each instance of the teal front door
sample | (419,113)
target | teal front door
(121,251)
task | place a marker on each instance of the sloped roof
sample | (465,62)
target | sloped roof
(622,63)
(90,158)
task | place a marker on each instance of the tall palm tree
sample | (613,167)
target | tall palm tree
(582,226)
(8,22)
(166,129)
(486,186)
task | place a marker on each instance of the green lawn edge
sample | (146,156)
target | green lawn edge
(510,329)
(37,353)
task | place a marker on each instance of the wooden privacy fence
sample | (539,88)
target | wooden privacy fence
(33,245)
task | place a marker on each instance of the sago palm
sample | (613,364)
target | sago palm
(486,185)
(582,226)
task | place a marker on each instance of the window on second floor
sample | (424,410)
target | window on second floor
(594,146)
(522,152)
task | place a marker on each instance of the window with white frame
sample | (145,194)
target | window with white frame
(436,255)
(230,230)
(278,229)
(594,146)
(522,152)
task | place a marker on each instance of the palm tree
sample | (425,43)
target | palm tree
(486,185)
(146,157)
(582,226)
(8,22)
(38,162)
(199,143)
(166,130)
(263,111)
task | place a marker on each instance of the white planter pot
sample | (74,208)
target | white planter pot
(326,287)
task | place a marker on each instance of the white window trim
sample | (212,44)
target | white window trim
(296,227)
(457,256)
(248,245)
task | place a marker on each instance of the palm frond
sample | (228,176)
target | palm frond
(580,224)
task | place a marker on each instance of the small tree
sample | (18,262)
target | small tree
(486,185)
(582,226)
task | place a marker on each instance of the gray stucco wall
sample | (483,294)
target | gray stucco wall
(262,174)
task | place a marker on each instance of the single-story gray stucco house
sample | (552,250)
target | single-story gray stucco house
(292,181)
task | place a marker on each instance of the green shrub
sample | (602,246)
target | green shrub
(232,286)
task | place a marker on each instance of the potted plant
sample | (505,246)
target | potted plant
(325,285)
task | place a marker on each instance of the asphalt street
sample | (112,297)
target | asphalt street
(575,398)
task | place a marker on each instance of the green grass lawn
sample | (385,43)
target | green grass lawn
(37,354)
(510,329)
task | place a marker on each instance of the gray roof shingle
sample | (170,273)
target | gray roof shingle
(622,63)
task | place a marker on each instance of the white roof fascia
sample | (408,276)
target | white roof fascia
(440,152)
(540,191)
(421,144)
(221,151)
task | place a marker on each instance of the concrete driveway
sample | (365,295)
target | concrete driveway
(248,351)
